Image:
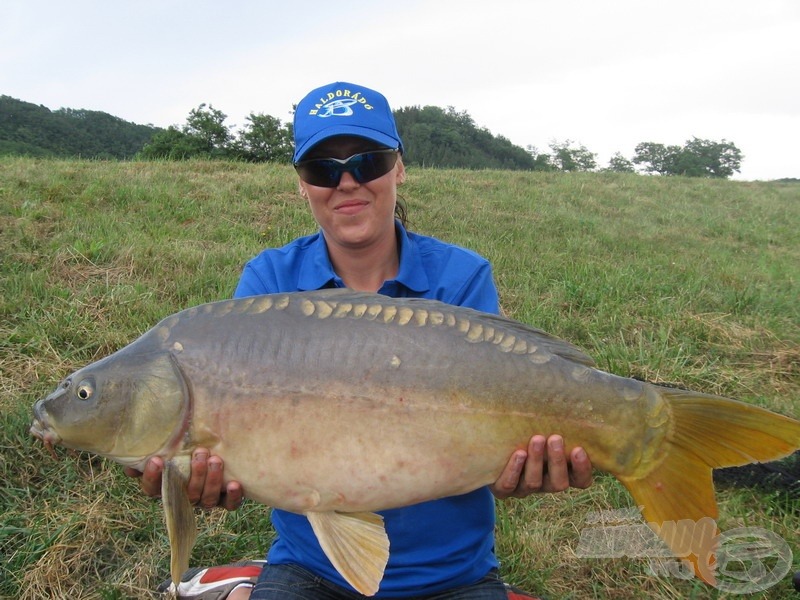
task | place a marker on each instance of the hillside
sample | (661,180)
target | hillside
(678,280)
(35,130)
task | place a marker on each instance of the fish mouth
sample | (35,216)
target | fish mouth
(40,430)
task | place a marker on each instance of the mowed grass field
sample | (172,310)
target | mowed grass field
(684,281)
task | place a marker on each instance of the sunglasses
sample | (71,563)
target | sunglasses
(364,167)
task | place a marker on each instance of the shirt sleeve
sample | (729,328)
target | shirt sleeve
(250,284)
(261,276)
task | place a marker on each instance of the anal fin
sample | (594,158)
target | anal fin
(356,544)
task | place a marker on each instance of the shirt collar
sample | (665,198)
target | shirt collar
(316,270)
(411,272)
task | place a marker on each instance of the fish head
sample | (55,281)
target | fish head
(127,407)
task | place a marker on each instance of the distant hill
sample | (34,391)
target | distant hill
(35,130)
(435,137)
(432,136)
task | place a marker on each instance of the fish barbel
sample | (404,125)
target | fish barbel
(335,404)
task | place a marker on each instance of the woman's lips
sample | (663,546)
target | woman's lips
(351,207)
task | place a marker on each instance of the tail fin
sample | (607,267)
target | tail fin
(708,432)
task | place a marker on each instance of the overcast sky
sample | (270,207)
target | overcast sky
(606,74)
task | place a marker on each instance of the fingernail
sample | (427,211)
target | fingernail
(580,454)
(557,444)
(213,465)
(200,457)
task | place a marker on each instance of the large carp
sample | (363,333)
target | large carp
(335,404)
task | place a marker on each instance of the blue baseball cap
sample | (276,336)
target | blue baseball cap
(343,109)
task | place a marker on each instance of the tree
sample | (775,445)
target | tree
(620,164)
(204,135)
(541,160)
(566,157)
(265,139)
(207,125)
(696,158)
(173,144)
(705,158)
(656,158)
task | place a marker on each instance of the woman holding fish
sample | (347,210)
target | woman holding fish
(348,155)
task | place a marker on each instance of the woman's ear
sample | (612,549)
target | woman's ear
(400,175)
(302,189)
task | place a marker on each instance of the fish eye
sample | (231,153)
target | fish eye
(85,389)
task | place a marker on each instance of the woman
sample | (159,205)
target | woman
(348,156)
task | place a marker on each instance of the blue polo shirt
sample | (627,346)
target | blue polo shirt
(437,545)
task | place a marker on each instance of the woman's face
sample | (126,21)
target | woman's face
(353,215)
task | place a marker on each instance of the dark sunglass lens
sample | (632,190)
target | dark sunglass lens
(321,173)
(364,167)
(373,165)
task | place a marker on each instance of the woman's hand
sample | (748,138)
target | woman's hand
(205,488)
(545,467)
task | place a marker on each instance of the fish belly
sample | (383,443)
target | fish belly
(333,450)
(349,457)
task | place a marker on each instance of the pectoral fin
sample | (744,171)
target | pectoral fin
(356,544)
(179,515)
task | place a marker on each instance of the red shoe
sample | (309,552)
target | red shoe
(214,583)
(518,594)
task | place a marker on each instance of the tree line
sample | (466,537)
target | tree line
(263,138)
(436,137)
(432,136)
(696,158)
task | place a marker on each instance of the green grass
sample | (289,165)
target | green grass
(687,281)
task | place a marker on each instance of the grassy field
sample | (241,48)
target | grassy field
(686,281)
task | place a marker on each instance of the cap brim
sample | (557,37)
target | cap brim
(335,130)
